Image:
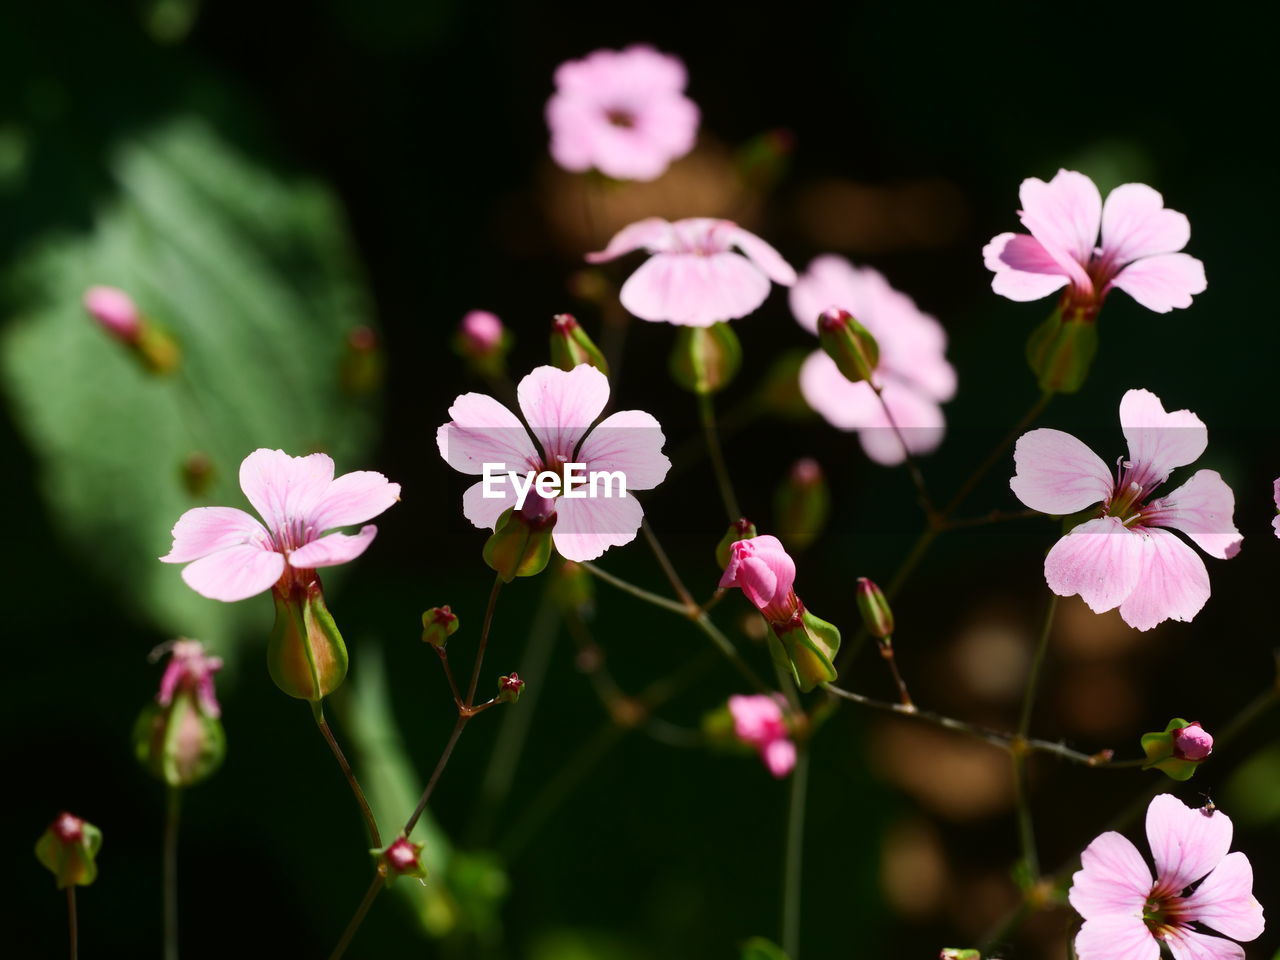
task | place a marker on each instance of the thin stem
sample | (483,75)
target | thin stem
(448,672)
(484,639)
(435,774)
(886,653)
(173,804)
(794,865)
(1026,826)
(1037,662)
(913,468)
(72,923)
(665,562)
(997,451)
(638,592)
(707,412)
(371,825)
(358,918)
(993,517)
(725,646)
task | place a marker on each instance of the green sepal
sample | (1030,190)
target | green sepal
(742,529)
(758,948)
(705,360)
(1159,748)
(179,744)
(851,345)
(519,546)
(71,863)
(1060,350)
(811,644)
(306,655)
(570,345)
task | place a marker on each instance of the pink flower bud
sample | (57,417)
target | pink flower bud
(400,859)
(68,828)
(401,855)
(190,669)
(759,722)
(764,571)
(115,311)
(481,332)
(1192,742)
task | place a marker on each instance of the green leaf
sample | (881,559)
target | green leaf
(758,948)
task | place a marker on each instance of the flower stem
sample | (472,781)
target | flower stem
(1019,752)
(794,865)
(358,918)
(886,653)
(913,468)
(638,592)
(966,488)
(173,805)
(665,562)
(73,924)
(371,825)
(484,639)
(707,412)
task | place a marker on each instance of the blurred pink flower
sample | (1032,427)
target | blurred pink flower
(115,312)
(1138,254)
(1124,557)
(190,668)
(1127,915)
(560,407)
(759,722)
(763,570)
(913,371)
(695,278)
(622,112)
(481,331)
(231,556)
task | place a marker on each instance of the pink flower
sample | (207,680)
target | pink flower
(1192,742)
(759,722)
(1275,496)
(1125,556)
(115,312)
(481,331)
(1138,253)
(622,112)
(695,278)
(190,668)
(1128,915)
(763,570)
(560,407)
(913,370)
(231,556)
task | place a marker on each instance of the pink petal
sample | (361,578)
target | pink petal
(1186,842)
(762,569)
(1064,215)
(1057,474)
(561,405)
(482,511)
(760,253)
(757,719)
(1225,900)
(1024,269)
(630,441)
(484,431)
(1159,441)
(1112,879)
(331,550)
(354,498)
(1135,224)
(1189,945)
(694,290)
(828,281)
(1101,560)
(1173,584)
(205,530)
(284,488)
(587,528)
(652,234)
(779,757)
(1203,508)
(1163,282)
(1116,937)
(235,573)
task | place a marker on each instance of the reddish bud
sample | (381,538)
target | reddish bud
(438,625)
(510,688)
(877,617)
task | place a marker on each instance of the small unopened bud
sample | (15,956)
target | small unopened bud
(1192,742)
(1061,350)
(306,655)
(705,359)
(1178,749)
(400,858)
(740,529)
(483,342)
(69,849)
(115,312)
(802,504)
(521,542)
(197,473)
(877,617)
(438,625)
(570,345)
(848,343)
(509,688)
(179,737)
(361,369)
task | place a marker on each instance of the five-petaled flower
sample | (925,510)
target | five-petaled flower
(560,407)
(759,722)
(913,372)
(231,556)
(1126,556)
(1128,915)
(1138,252)
(622,112)
(695,277)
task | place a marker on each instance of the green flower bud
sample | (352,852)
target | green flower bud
(810,645)
(157,349)
(849,344)
(575,589)
(876,615)
(1061,350)
(510,688)
(69,849)
(178,738)
(520,545)
(306,655)
(571,346)
(360,371)
(1178,749)
(802,504)
(741,529)
(197,473)
(705,359)
(438,625)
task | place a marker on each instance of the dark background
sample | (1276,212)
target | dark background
(426,120)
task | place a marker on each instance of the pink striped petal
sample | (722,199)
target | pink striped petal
(1024,270)
(482,511)
(1116,937)
(587,528)
(652,234)
(760,253)
(1186,842)
(630,441)
(284,488)
(694,290)
(205,530)
(1204,509)
(1101,560)
(561,405)
(779,757)
(354,498)
(1160,441)
(1112,879)
(1135,224)
(1173,584)
(1057,474)
(334,549)
(235,573)
(762,569)
(1225,900)
(1163,282)
(484,431)
(1187,944)
(1064,215)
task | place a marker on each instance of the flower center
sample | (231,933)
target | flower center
(619,117)
(1164,913)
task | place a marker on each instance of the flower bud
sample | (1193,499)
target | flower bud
(740,529)
(197,473)
(306,655)
(179,738)
(848,343)
(438,625)
(1178,749)
(483,342)
(360,371)
(575,589)
(876,615)
(509,688)
(571,346)
(521,544)
(802,504)
(810,645)
(400,858)
(1061,350)
(69,849)
(705,359)
(115,312)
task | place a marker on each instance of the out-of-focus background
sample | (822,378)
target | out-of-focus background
(266,177)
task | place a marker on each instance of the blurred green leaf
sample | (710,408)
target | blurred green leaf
(758,948)
(254,276)
(1253,792)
